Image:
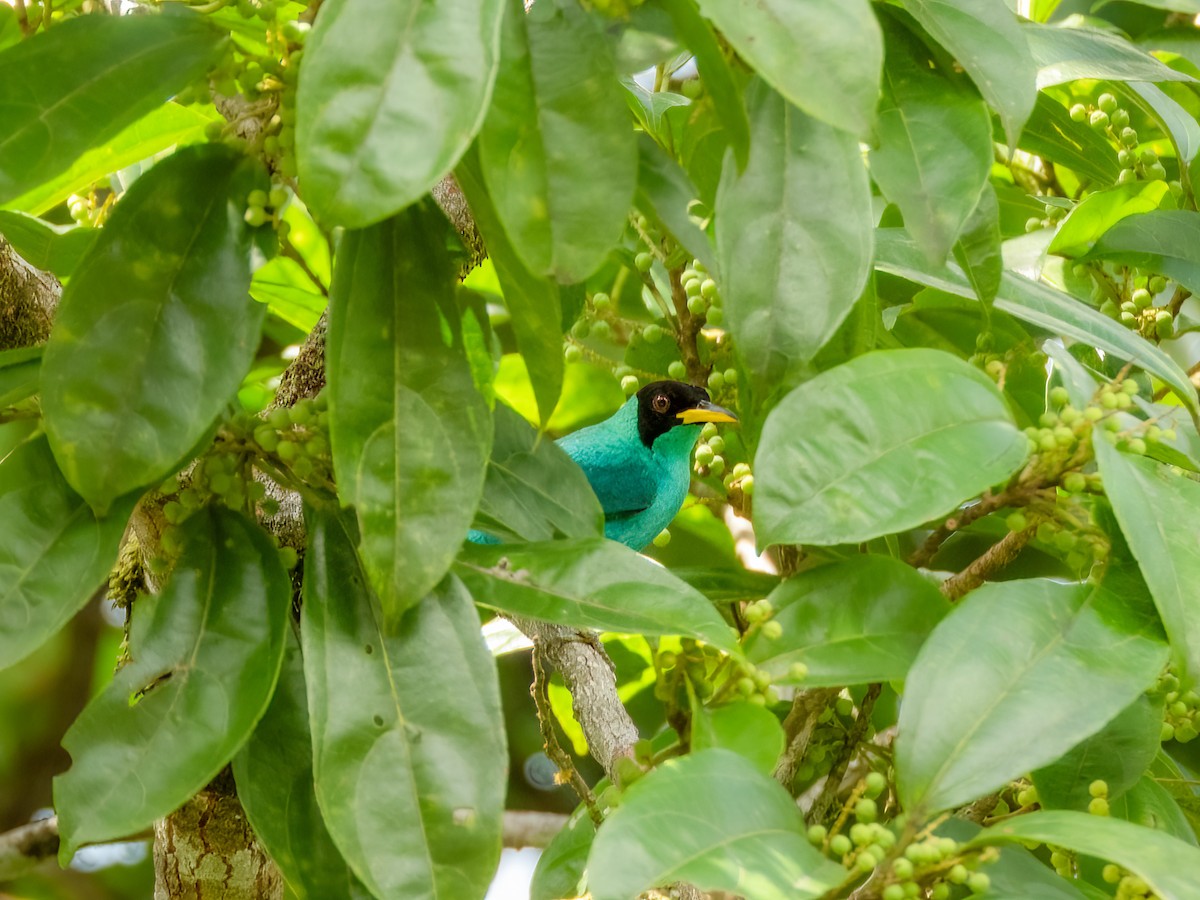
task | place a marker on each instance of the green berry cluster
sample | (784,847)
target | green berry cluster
(1140,312)
(703,298)
(1109,118)
(1129,886)
(90,210)
(1098,805)
(1181,710)
(708,458)
(263,207)
(758,616)
(1054,212)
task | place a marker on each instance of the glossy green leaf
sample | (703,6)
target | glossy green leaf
(54,551)
(391,94)
(534,491)
(1170,866)
(166,126)
(665,192)
(1018,874)
(1180,124)
(156,329)
(205,656)
(978,249)
(715,71)
(996,689)
(932,147)
(889,440)
(1118,754)
(793,238)
(1051,134)
(274,774)
(96,75)
(561,864)
(1158,509)
(410,434)
(744,834)
(986,40)
(409,753)
(751,731)
(1166,241)
(1102,209)
(53,248)
(288,293)
(1039,305)
(824,56)
(556,149)
(1067,54)
(853,622)
(590,584)
(534,301)
(19,370)
(1151,805)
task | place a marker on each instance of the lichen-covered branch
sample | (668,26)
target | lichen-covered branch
(28,299)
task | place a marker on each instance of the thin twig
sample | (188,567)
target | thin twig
(833,781)
(997,557)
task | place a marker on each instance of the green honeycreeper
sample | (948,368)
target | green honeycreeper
(639,459)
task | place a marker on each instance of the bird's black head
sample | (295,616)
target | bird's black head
(664,404)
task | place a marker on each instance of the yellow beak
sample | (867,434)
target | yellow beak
(706,412)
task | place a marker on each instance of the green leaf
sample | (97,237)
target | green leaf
(409,752)
(156,329)
(986,40)
(534,302)
(664,192)
(1170,866)
(534,491)
(978,249)
(205,656)
(19,370)
(1118,754)
(853,622)
(997,688)
(1018,874)
(1039,305)
(167,126)
(1102,209)
(288,293)
(391,94)
(1051,134)
(54,551)
(562,862)
(410,434)
(1150,804)
(96,75)
(54,248)
(751,731)
(744,835)
(891,439)
(1067,54)
(824,56)
(1180,124)
(932,147)
(1163,241)
(590,583)
(715,71)
(556,149)
(793,238)
(274,774)
(1157,509)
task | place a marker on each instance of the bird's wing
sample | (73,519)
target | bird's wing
(619,474)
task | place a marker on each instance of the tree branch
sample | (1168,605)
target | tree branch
(798,728)
(23,848)
(28,299)
(997,557)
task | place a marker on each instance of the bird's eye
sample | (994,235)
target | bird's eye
(660,403)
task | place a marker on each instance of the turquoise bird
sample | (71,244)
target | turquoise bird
(639,460)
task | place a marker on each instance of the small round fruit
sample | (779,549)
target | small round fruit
(652,334)
(716,381)
(601,302)
(1078,112)
(643,262)
(1107,102)
(662,538)
(839,845)
(1098,119)
(677,370)
(630,385)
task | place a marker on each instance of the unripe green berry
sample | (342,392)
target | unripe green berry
(731,376)
(1129,137)
(1136,446)
(1093,413)
(1075,482)
(797,671)
(840,845)
(772,630)
(288,556)
(1016,522)
(1078,112)
(717,466)
(1156,172)
(1107,102)
(709,431)
(1033,224)
(958,874)
(1098,119)
(865,810)
(1059,396)
(902,868)
(630,385)
(708,289)
(601,302)
(1098,788)
(716,381)
(1098,806)
(978,883)
(1111,873)
(1141,298)
(717,443)
(940,891)
(1127,176)
(652,334)
(893,892)
(1126,158)
(643,262)
(255,216)
(865,861)
(704,454)
(697,305)
(678,371)
(602,331)
(572,353)
(1119,118)
(715,316)
(1157,284)
(692,288)
(662,538)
